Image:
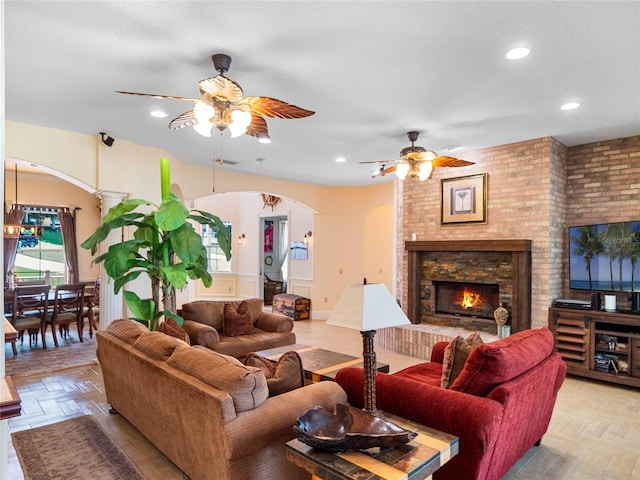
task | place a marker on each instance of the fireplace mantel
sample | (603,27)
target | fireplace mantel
(521,278)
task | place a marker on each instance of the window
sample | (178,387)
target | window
(217,261)
(41,257)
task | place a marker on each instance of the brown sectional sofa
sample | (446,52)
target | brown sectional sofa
(205,411)
(203,321)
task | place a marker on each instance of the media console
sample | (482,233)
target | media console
(598,344)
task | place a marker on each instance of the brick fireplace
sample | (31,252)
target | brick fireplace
(498,272)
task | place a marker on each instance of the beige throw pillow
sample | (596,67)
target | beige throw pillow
(282,376)
(455,356)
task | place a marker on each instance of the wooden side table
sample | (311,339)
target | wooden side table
(416,460)
(9,399)
(10,336)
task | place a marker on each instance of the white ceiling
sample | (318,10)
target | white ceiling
(371,70)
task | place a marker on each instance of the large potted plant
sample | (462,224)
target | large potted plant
(165,247)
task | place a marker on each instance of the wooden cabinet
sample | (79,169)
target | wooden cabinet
(596,344)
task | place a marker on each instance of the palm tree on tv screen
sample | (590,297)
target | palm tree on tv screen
(588,245)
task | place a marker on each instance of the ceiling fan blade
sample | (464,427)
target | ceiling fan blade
(379,161)
(187,119)
(444,161)
(166,97)
(221,88)
(272,107)
(258,127)
(388,170)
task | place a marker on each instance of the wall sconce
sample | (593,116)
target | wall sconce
(241,239)
(106,139)
(307,236)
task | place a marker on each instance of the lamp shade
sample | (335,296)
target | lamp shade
(367,306)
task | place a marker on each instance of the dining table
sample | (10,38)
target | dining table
(88,301)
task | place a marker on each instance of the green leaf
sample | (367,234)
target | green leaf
(98,236)
(198,273)
(142,310)
(120,282)
(223,235)
(172,213)
(123,207)
(176,275)
(116,260)
(186,243)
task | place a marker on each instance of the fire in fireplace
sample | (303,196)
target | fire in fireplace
(467,299)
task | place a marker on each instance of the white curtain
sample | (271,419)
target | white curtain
(283,250)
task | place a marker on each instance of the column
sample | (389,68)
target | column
(111,304)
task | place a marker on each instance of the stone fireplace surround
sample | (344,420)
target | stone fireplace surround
(505,262)
(508,262)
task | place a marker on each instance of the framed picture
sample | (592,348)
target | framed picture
(464,199)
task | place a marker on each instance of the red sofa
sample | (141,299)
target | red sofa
(499,406)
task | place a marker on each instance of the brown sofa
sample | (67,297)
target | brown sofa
(205,411)
(203,321)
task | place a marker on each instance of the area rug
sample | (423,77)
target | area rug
(34,360)
(75,449)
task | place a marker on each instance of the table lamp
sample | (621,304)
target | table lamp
(367,307)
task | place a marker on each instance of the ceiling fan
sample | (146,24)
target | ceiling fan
(222,105)
(416,161)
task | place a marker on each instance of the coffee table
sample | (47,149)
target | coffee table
(319,364)
(416,460)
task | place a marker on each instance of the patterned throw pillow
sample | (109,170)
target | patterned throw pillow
(282,376)
(455,356)
(171,328)
(237,322)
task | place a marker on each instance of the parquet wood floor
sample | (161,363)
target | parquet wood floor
(594,433)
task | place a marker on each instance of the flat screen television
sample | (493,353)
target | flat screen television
(605,257)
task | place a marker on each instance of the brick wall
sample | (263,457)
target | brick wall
(526,199)
(603,186)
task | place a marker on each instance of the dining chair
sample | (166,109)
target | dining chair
(91,309)
(30,312)
(9,308)
(68,305)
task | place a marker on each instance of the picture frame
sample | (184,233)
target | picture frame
(463,199)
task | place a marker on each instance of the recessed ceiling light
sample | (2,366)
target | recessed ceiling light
(340,159)
(570,106)
(264,140)
(518,53)
(158,114)
(452,148)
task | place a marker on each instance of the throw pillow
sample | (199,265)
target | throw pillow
(282,376)
(455,356)
(171,328)
(237,322)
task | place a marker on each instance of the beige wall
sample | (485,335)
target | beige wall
(352,231)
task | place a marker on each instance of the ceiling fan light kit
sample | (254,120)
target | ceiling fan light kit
(223,106)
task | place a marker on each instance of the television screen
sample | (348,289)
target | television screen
(605,257)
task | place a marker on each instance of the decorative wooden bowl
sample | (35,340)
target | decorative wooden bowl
(348,429)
